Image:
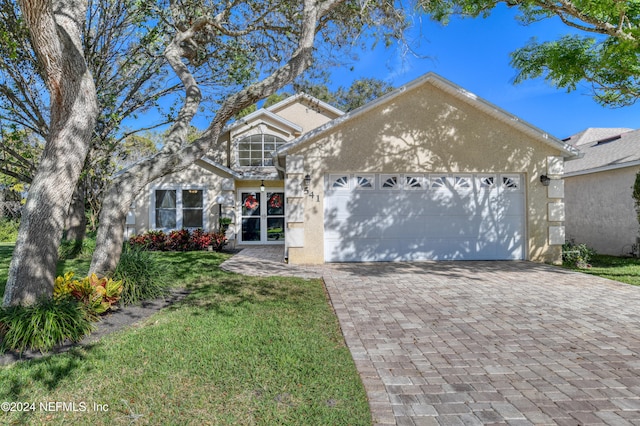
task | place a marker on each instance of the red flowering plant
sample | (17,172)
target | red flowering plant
(178,240)
(200,240)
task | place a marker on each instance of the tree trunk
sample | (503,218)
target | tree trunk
(76,223)
(55,34)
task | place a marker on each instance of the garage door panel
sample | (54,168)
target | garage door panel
(472,223)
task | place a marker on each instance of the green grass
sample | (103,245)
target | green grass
(237,350)
(623,269)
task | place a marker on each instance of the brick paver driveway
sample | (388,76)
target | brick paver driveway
(490,342)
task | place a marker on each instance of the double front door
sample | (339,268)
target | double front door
(262,218)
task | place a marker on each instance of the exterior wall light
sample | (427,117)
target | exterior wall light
(545,180)
(307,183)
(261,186)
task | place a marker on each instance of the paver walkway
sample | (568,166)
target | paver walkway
(446,343)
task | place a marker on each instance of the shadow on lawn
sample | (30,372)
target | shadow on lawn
(233,290)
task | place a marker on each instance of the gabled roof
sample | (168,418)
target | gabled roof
(616,150)
(309,100)
(268,116)
(594,134)
(458,92)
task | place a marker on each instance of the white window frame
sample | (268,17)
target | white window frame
(179,206)
(278,142)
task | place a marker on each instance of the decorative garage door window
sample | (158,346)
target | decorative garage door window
(389,182)
(487,181)
(365,181)
(413,182)
(511,182)
(462,182)
(438,181)
(339,181)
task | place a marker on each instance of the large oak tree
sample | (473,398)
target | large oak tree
(55,28)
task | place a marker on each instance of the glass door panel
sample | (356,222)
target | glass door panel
(275,229)
(251,220)
(275,216)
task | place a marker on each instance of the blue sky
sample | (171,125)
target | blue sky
(474,54)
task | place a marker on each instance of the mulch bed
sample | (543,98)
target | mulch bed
(109,323)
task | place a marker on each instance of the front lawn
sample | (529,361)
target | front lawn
(623,269)
(237,350)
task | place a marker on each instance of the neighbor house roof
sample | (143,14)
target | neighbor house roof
(594,134)
(605,149)
(458,92)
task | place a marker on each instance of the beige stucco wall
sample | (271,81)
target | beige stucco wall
(306,116)
(426,130)
(600,210)
(195,177)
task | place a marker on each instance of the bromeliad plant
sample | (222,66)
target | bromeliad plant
(97,295)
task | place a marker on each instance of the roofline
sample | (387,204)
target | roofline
(219,166)
(292,99)
(256,114)
(603,168)
(459,93)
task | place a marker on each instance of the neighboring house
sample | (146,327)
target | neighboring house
(598,190)
(428,171)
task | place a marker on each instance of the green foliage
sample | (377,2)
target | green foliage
(8,230)
(361,92)
(97,295)
(179,240)
(608,59)
(42,326)
(143,276)
(577,255)
(71,249)
(636,195)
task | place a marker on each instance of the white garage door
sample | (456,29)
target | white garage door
(392,217)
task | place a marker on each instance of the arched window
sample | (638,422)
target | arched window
(255,150)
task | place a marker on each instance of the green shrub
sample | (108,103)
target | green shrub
(97,295)
(71,249)
(43,325)
(142,275)
(179,240)
(9,230)
(577,255)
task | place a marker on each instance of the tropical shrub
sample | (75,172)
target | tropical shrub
(178,240)
(43,325)
(150,240)
(200,240)
(143,276)
(219,240)
(181,240)
(97,295)
(577,255)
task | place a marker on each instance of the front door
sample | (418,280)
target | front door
(262,218)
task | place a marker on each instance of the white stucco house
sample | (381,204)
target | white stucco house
(598,190)
(428,171)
